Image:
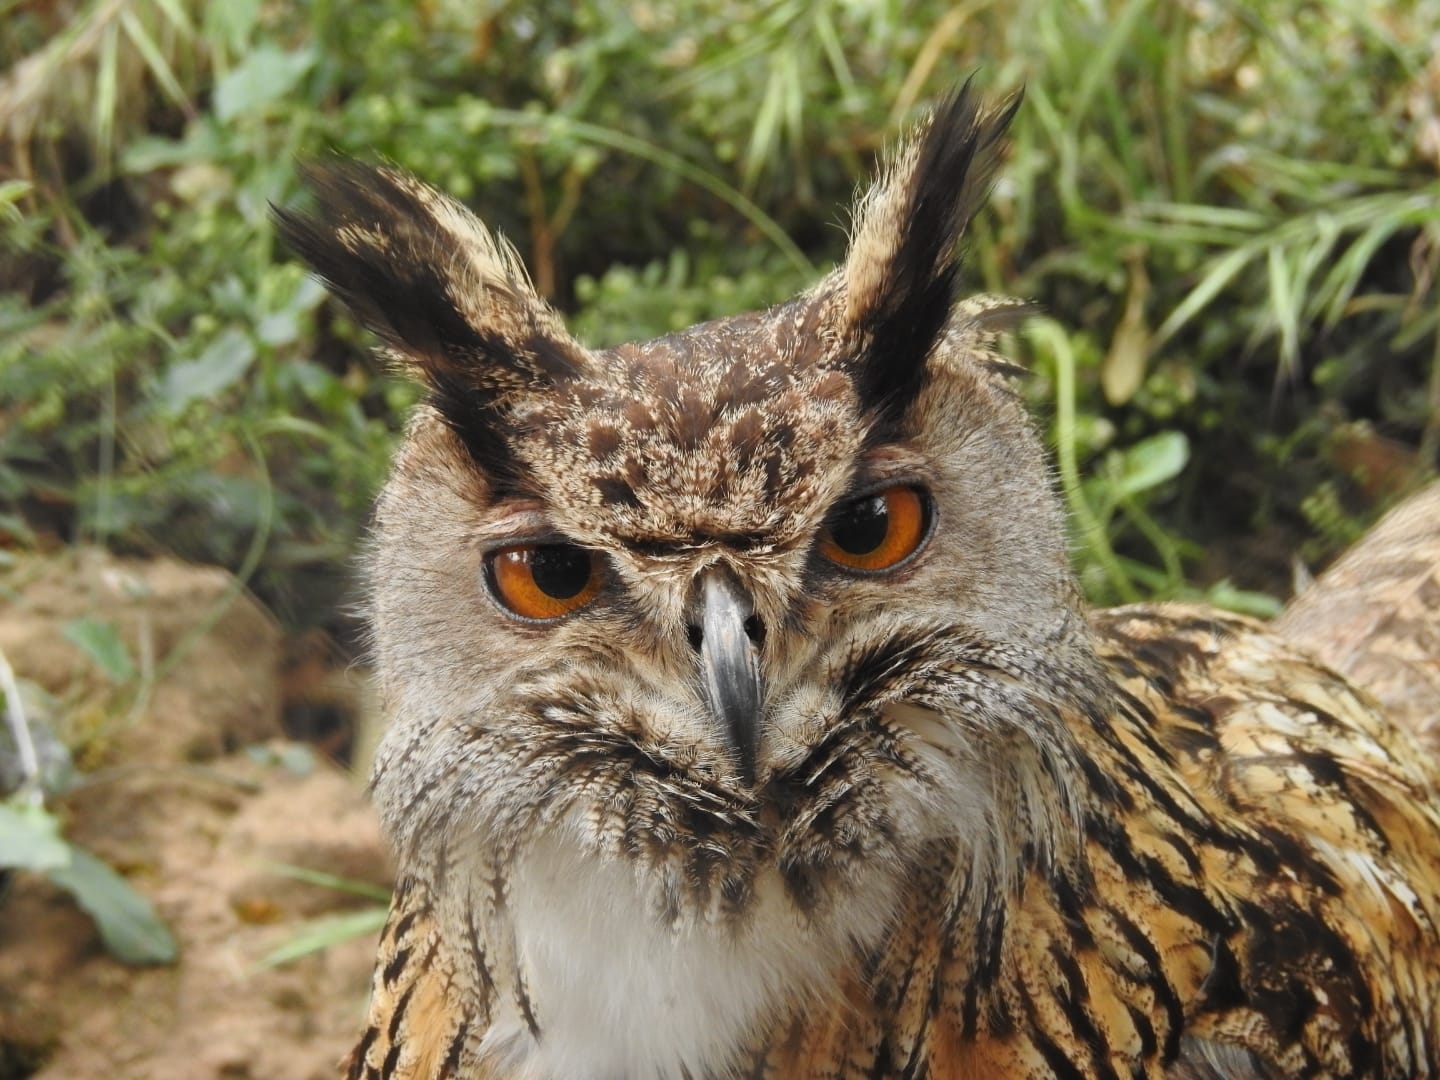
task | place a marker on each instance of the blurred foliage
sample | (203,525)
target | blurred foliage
(1229,213)
(327,930)
(35,764)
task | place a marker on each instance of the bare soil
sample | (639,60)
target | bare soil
(191,790)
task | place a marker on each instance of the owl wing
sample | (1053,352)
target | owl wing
(418,1026)
(1306,846)
(1375,615)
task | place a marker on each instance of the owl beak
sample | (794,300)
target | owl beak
(729,647)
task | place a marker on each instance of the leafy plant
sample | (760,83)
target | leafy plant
(31,839)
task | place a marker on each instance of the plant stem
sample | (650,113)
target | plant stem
(30,791)
(1091,530)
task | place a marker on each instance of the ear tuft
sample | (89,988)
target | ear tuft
(451,302)
(900,275)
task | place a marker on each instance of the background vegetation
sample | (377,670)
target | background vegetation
(1229,213)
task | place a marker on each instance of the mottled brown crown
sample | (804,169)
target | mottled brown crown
(770,397)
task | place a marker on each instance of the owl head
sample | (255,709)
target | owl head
(764,618)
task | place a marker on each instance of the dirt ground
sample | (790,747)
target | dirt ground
(191,790)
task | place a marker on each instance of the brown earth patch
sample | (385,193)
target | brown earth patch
(191,791)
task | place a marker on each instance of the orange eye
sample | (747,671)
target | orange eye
(543,581)
(877,532)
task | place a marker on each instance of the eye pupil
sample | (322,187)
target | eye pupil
(863,526)
(560,571)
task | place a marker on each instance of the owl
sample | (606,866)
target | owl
(745,719)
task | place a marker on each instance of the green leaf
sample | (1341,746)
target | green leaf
(297,758)
(11,192)
(19,528)
(128,924)
(282,327)
(1219,272)
(146,153)
(215,370)
(106,91)
(100,640)
(1246,601)
(1151,462)
(232,22)
(1123,370)
(267,75)
(154,57)
(30,839)
(325,932)
(331,881)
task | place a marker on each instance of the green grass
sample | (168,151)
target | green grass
(1230,215)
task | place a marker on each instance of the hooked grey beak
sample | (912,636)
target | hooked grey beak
(729,646)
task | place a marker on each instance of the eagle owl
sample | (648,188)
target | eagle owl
(745,719)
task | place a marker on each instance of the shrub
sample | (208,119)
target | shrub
(1229,216)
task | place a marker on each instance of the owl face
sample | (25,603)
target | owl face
(765,618)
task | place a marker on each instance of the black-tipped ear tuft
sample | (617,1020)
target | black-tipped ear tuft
(451,302)
(902,270)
